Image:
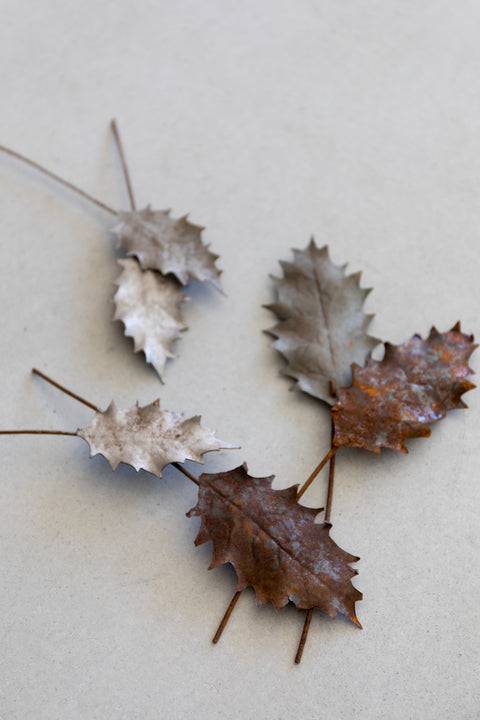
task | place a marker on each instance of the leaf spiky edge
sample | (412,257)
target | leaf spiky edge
(210,272)
(381,408)
(396,398)
(438,360)
(157,351)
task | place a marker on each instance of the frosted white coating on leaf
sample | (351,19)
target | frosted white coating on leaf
(149,305)
(167,244)
(148,438)
(322,329)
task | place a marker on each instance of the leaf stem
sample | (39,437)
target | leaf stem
(186,473)
(331,476)
(319,467)
(331,480)
(123,161)
(37,432)
(331,470)
(303,639)
(65,390)
(51,432)
(58,179)
(226,617)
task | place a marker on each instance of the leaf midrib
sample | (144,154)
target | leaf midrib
(279,544)
(318,289)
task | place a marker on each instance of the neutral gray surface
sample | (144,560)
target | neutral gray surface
(357,122)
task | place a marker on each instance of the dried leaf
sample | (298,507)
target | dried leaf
(149,305)
(274,544)
(148,438)
(415,384)
(440,361)
(168,245)
(322,328)
(383,409)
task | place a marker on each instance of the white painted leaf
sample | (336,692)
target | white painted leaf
(149,305)
(322,329)
(167,244)
(148,438)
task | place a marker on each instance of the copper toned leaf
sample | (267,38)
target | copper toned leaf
(415,384)
(149,305)
(440,361)
(383,409)
(148,438)
(168,245)
(274,544)
(322,329)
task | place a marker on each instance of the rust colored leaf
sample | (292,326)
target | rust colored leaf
(148,438)
(274,544)
(149,305)
(440,361)
(322,329)
(168,245)
(382,408)
(397,398)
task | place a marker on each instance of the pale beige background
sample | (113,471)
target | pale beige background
(357,122)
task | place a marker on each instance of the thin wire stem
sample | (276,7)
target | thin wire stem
(185,472)
(328,511)
(65,390)
(60,180)
(314,474)
(331,481)
(303,639)
(331,471)
(37,432)
(123,161)
(226,617)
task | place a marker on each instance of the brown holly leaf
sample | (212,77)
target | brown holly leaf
(274,544)
(148,438)
(382,408)
(149,305)
(322,329)
(168,245)
(440,361)
(395,399)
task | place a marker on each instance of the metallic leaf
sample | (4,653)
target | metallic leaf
(441,361)
(168,245)
(382,408)
(395,399)
(274,544)
(322,329)
(149,305)
(148,438)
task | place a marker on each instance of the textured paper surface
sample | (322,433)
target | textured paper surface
(267,122)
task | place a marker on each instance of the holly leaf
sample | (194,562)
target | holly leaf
(148,438)
(322,329)
(382,408)
(274,544)
(440,361)
(168,245)
(149,305)
(395,399)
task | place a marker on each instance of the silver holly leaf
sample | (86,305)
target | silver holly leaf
(167,244)
(149,305)
(148,438)
(322,329)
